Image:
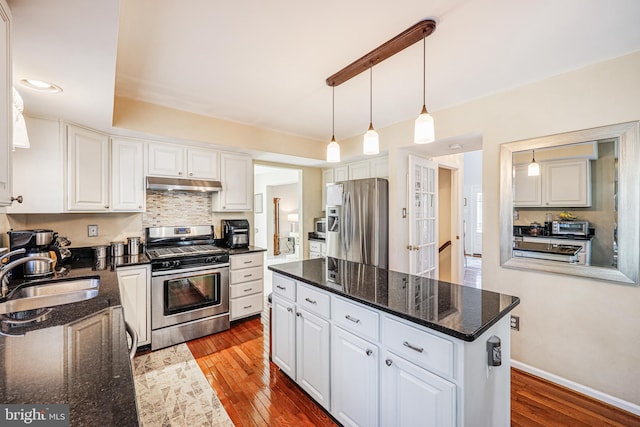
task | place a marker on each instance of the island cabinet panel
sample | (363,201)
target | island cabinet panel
(312,356)
(283,330)
(354,379)
(411,395)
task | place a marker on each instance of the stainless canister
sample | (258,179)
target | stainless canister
(133,245)
(117,249)
(100,251)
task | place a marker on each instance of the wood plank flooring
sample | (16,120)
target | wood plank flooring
(255,393)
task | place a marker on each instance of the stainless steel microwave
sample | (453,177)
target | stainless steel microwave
(320,227)
(576,228)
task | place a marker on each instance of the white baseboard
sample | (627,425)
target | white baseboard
(611,400)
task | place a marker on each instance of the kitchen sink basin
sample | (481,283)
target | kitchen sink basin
(50,293)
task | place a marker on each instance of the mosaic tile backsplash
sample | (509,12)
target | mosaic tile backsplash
(166,208)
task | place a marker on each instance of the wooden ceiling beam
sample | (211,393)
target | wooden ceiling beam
(398,43)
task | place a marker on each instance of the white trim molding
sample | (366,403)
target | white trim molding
(588,391)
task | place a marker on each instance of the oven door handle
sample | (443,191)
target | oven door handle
(178,270)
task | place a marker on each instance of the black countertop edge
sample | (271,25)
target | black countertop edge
(435,326)
(314,236)
(250,249)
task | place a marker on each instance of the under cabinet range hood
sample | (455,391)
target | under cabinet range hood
(180,184)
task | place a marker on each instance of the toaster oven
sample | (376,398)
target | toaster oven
(576,228)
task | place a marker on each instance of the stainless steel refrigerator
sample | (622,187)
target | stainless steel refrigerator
(358,221)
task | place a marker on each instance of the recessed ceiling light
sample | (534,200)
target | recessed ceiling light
(40,85)
(455,146)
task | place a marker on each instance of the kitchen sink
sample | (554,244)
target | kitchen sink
(31,296)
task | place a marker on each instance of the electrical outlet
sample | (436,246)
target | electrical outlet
(92,230)
(515,322)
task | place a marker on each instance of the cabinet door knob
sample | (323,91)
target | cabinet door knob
(298,314)
(388,362)
(18,199)
(191,174)
(369,352)
(180,173)
(289,309)
(106,206)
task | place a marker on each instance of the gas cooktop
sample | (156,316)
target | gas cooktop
(183,251)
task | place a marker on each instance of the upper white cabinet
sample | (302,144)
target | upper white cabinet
(377,167)
(360,170)
(237,183)
(178,161)
(341,173)
(46,156)
(327,178)
(561,183)
(6,103)
(567,183)
(87,170)
(127,175)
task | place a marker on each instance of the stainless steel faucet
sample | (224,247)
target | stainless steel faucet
(5,269)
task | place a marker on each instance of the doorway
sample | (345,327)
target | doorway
(472,218)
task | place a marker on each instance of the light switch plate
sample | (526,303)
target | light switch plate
(92,231)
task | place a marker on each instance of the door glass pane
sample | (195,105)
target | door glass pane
(188,293)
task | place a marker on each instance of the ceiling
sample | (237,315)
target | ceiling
(264,64)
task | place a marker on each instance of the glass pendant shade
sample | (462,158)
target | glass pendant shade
(533,169)
(371,141)
(424,129)
(333,151)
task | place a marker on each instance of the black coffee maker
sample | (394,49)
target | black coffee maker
(39,242)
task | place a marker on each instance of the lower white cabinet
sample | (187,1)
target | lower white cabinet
(283,340)
(413,396)
(135,287)
(312,356)
(246,284)
(317,249)
(354,379)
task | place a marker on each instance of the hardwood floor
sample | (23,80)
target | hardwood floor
(255,393)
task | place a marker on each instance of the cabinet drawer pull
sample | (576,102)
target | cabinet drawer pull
(369,352)
(289,309)
(248,262)
(281,287)
(412,347)
(248,290)
(248,306)
(310,301)
(248,275)
(298,314)
(388,362)
(353,319)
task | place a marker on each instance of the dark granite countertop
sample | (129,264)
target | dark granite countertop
(250,249)
(314,236)
(459,311)
(77,354)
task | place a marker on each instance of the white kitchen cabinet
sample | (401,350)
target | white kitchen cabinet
(312,356)
(411,395)
(561,183)
(379,167)
(341,173)
(135,295)
(127,175)
(237,184)
(567,183)
(360,170)
(317,249)
(246,284)
(327,178)
(44,158)
(354,379)
(527,189)
(6,106)
(283,335)
(177,161)
(87,170)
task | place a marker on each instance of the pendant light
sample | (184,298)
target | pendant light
(333,149)
(424,128)
(371,143)
(534,168)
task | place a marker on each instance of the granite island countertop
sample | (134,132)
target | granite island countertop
(77,354)
(459,311)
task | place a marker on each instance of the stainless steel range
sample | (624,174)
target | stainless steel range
(189,284)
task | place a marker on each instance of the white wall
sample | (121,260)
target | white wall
(582,330)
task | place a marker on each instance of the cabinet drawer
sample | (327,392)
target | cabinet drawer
(284,287)
(246,306)
(315,246)
(237,262)
(424,349)
(244,289)
(314,301)
(245,275)
(355,318)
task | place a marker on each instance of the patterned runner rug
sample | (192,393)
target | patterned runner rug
(171,390)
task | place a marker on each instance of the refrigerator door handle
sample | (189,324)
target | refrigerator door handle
(348,223)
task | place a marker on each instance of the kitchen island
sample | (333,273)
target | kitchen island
(77,354)
(378,347)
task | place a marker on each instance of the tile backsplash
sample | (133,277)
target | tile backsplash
(166,208)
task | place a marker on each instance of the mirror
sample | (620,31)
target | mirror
(592,175)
